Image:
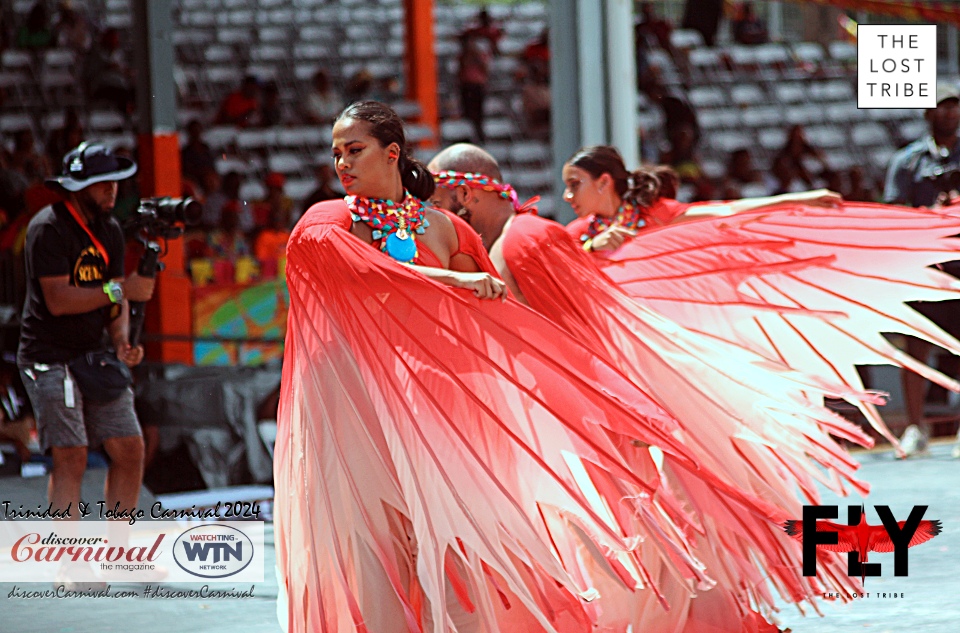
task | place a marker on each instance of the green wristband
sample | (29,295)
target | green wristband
(114,291)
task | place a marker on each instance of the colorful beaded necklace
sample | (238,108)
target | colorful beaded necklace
(628,216)
(449,179)
(397,224)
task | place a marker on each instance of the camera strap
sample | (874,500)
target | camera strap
(83,225)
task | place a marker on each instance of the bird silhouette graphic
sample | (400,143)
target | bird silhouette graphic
(863,538)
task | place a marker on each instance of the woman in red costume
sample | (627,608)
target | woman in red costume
(613,204)
(446,462)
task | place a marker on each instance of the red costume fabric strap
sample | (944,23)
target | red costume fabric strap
(83,225)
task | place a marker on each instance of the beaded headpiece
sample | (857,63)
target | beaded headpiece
(449,179)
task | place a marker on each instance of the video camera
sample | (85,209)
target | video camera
(946,177)
(157,219)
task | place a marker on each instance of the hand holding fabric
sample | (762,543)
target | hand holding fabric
(483,285)
(611,239)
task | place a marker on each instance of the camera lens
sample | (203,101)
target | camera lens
(190,211)
(186,210)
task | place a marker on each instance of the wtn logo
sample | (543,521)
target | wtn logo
(202,551)
(858,538)
(213,551)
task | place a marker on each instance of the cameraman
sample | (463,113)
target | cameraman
(76,290)
(911,181)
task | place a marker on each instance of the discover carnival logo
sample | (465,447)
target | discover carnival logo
(147,551)
(213,551)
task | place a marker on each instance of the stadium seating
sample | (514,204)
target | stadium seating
(743,96)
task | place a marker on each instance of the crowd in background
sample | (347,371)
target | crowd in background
(235,227)
(797,166)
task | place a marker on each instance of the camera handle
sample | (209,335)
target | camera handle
(149,266)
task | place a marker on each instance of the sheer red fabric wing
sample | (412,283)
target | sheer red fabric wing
(731,421)
(839,277)
(438,456)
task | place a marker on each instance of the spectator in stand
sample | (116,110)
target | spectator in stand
(62,140)
(25,158)
(216,197)
(227,241)
(536,55)
(325,177)
(107,76)
(386,90)
(360,86)
(832,179)
(478,45)
(323,104)
(275,200)
(797,150)
(536,99)
(682,157)
(271,111)
(209,183)
(748,28)
(241,106)
(677,110)
(473,76)
(196,157)
(740,172)
(271,242)
(72,30)
(486,29)
(13,215)
(703,16)
(6,21)
(652,29)
(858,190)
(35,33)
(217,200)
(783,177)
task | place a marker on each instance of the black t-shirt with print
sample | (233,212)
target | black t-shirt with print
(57,245)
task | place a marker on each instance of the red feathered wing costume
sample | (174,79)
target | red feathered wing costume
(444,462)
(839,276)
(749,420)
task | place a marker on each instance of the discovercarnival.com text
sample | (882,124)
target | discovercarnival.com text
(149,591)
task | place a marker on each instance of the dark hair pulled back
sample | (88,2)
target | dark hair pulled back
(641,187)
(387,128)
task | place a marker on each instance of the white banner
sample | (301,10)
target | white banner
(896,66)
(115,551)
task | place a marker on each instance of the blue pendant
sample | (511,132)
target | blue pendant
(402,249)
